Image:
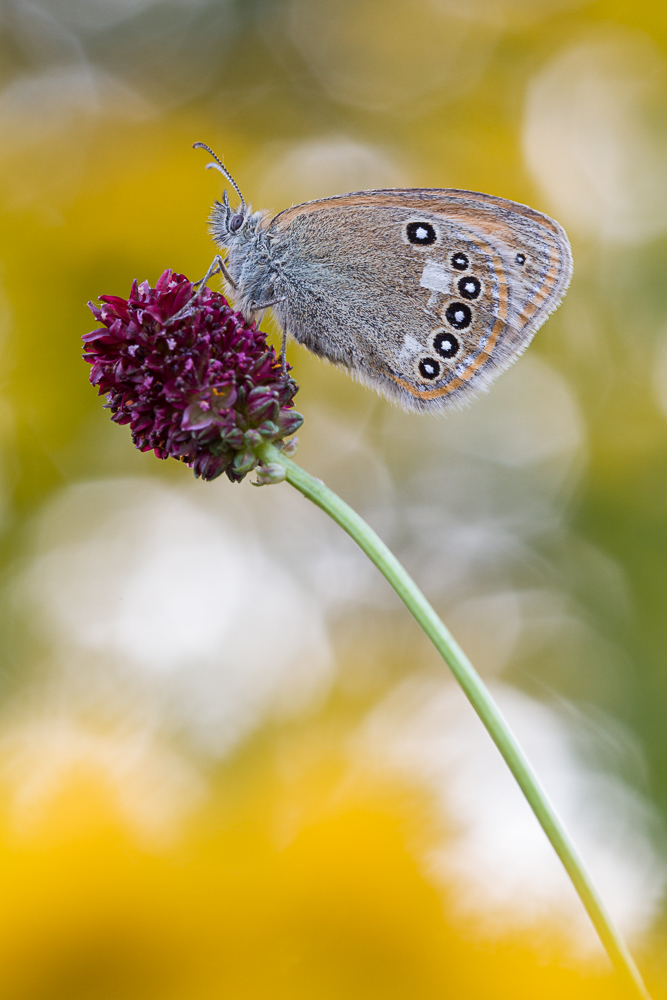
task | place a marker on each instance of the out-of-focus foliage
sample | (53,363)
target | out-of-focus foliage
(229,765)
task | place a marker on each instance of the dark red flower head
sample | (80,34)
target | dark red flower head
(205,388)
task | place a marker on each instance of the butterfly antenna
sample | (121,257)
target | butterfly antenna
(219,165)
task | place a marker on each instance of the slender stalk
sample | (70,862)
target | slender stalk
(480,699)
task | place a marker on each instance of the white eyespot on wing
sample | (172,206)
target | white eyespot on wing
(436,278)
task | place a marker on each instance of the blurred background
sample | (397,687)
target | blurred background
(229,763)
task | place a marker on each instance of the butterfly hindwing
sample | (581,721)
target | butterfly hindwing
(425,294)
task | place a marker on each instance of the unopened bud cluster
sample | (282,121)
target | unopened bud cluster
(193,379)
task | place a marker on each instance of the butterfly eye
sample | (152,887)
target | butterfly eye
(421,233)
(520,258)
(469,287)
(429,368)
(446,345)
(459,261)
(236,222)
(458,315)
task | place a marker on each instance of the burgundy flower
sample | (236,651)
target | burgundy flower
(205,388)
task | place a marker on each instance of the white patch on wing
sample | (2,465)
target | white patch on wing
(409,349)
(435,277)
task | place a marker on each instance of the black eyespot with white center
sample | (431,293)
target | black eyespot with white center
(520,258)
(469,287)
(458,315)
(459,261)
(429,368)
(422,234)
(446,345)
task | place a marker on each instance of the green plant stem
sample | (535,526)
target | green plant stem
(480,699)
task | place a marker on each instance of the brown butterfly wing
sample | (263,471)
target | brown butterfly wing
(425,294)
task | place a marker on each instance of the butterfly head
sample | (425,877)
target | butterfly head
(233,227)
(228,226)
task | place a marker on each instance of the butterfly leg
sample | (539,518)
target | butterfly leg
(264,305)
(217,266)
(254,306)
(283,352)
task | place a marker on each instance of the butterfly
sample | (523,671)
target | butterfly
(425,295)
